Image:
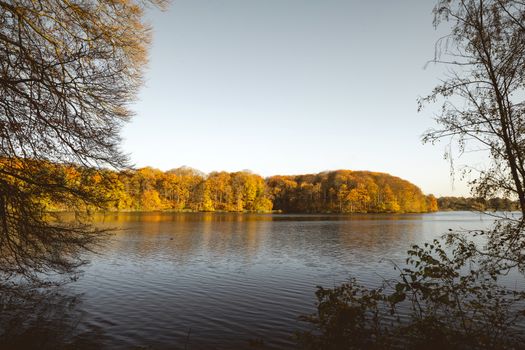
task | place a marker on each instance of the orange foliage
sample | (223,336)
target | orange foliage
(341,191)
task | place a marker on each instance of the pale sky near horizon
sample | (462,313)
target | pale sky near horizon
(291,87)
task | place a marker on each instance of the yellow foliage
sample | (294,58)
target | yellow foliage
(341,191)
(150,200)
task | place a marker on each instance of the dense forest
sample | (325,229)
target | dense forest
(341,191)
(346,191)
(471,203)
(187,189)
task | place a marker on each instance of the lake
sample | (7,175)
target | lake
(224,281)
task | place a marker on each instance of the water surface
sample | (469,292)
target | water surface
(223,281)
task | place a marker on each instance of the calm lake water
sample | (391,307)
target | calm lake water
(219,281)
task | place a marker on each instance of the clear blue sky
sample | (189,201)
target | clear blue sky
(291,87)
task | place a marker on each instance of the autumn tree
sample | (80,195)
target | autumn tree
(68,71)
(145,189)
(346,191)
(185,181)
(221,189)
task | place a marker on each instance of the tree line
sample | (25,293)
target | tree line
(346,191)
(187,189)
(476,203)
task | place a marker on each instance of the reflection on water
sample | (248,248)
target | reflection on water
(45,319)
(210,280)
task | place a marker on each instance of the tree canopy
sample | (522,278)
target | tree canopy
(341,191)
(68,72)
(346,191)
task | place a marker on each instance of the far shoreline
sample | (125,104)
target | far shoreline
(273,212)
